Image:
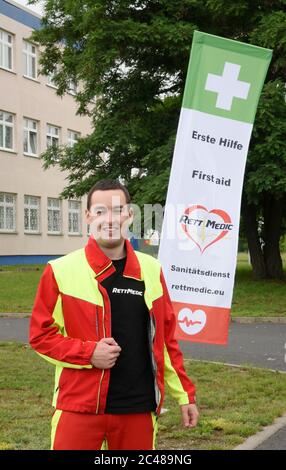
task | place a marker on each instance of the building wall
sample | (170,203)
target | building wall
(23,175)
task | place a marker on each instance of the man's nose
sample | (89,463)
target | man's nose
(110,219)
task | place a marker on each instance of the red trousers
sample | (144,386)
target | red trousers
(86,431)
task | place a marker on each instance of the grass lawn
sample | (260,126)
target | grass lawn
(257,298)
(235,403)
(18,286)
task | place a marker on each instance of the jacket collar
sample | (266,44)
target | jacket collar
(99,261)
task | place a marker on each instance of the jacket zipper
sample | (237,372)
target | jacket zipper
(102,374)
(104,335)
(154,365)
(96,322)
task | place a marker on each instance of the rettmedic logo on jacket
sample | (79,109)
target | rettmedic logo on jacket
(117,290)
(71,314)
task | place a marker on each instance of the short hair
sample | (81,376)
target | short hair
(106,185)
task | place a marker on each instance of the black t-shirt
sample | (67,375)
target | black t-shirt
(131,388)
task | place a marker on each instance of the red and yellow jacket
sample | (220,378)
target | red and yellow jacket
(72,313)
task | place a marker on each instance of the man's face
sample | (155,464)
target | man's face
(109,217)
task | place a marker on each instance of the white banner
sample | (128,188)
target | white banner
(199,239)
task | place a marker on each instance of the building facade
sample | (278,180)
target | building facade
(35,224)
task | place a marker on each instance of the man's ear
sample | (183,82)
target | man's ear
(87,216)
(131,214)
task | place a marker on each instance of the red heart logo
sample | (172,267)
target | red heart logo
(198,233)
(190,321)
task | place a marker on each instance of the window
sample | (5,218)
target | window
(32,214)
(30,143)
(6,130)
(74,217)
(54,215)
(30,60)
(7,212)
(6,50)
(72,138)
(50,81)
(53,136)
(72,87)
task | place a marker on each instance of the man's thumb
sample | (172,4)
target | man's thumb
(110,341)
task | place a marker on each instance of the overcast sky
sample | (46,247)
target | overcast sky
(37,8)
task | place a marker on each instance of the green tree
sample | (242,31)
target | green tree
(264,196)
(131,59)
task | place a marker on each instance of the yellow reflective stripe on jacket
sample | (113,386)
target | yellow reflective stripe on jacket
(55,421)
(150,272)
(59,323)
(64,364)
(171,378)
(76,278)
(58,317)
(155,429)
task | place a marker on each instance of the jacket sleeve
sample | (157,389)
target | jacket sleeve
(48,337)
(180,385)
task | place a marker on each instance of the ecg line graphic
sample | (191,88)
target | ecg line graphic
(190,322)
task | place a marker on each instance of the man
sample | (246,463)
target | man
(103,316)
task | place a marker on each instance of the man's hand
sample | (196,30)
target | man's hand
(190,415)
(105,354)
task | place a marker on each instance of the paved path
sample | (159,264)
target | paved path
(260,345)
(14,329)
(276,442)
